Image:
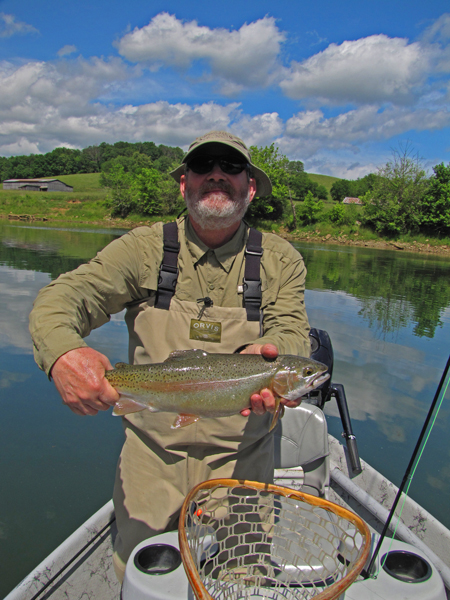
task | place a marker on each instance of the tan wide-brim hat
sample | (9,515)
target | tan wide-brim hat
(212,143)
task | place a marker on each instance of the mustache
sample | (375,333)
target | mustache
(210,186)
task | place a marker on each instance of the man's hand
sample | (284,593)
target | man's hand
(79,376)
(265,400)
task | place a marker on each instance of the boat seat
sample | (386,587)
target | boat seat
(301,440)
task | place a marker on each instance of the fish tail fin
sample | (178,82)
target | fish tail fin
(279,412)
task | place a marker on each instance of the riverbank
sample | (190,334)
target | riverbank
(430,246)
(380,244)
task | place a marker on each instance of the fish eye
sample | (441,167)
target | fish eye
(307,371)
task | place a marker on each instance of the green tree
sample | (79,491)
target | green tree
(300,184)
(274,164)
(340,190)
(342,214)
(393,206)
(295,166)
(310,209)
(121,196)
(363,185)
(171,200)
(145,186)
(435,215)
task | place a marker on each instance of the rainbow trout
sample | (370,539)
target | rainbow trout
(196,384)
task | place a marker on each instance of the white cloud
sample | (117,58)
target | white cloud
(15,305)
(347,130)
(439,31)
(239,58)
(372,69)
(45,105)
(259,130)
(76,102)
(66,50)
(69,85)
(9,26)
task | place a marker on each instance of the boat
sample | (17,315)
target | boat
(416,553)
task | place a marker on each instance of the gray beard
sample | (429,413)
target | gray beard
(217,213)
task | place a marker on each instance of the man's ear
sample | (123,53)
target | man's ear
(182,184)
(251,189)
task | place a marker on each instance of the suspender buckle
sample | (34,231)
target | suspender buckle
(168,278)
(252,291)
(254,251)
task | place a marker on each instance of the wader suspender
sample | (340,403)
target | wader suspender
(168,272)
(252,278)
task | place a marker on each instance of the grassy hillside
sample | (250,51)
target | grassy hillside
(83,182)
(85,202)
(325,180)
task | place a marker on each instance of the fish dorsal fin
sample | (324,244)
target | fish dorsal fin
(183,420)
(125,406)
(120,365)
(187,355)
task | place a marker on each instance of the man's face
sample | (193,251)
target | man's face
(217,200)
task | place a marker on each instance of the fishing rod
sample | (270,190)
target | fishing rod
(407,474)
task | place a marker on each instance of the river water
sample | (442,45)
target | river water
(388,315)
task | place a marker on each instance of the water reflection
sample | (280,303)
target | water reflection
(56,469)
(395,290)
(391,336)
(46,250)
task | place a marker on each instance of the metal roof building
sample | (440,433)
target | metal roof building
(348,200)
(37,185)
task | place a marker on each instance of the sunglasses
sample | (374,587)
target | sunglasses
(205,164)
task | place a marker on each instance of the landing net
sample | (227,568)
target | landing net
(248,540)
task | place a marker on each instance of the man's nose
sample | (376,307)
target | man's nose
(216,172)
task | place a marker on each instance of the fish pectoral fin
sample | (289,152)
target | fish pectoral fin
(278,414)
(280,384)
(125,406)
(183,420)
(187,355)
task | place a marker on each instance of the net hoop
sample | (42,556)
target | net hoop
(333,591)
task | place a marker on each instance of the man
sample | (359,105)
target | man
(207,254)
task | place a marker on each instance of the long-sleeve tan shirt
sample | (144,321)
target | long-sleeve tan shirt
(70,307)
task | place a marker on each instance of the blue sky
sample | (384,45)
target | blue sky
(336,85)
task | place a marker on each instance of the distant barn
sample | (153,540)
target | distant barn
(37,185)
(351,201)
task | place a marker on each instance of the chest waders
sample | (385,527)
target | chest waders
(158,465)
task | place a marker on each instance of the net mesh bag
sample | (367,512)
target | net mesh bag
(244,540)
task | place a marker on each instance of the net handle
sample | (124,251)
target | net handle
(332,592)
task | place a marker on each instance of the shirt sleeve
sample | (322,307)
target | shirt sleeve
(69,308)
(285,321)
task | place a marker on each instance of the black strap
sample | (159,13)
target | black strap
(168,272)
(252,277)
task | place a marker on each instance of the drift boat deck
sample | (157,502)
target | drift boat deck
(81,567)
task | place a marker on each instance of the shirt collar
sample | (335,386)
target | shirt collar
(225,254)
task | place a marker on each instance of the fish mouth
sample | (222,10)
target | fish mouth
(318,380)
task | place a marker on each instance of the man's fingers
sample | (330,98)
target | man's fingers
(263,402)
(257,404)
(269,351)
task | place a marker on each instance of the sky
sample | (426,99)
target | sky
(340,86)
